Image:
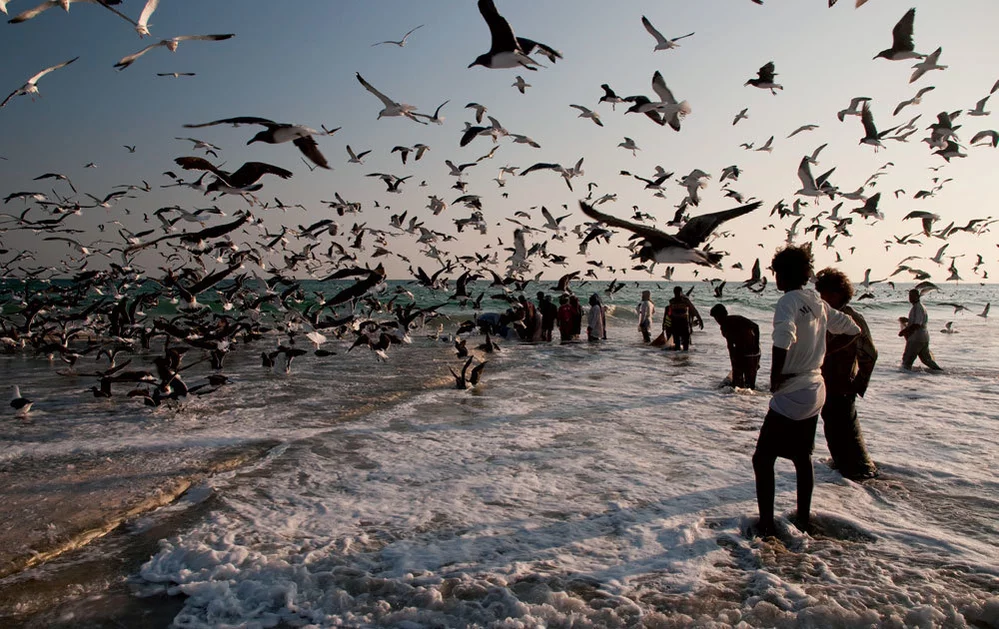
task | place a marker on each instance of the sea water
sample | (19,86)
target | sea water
(579,485)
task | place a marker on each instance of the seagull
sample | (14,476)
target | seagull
(811,187)
(853,109)
(765,79)
(979,109)
(871,134)
(20,404)
(436,118)
(661,42)
(740,116)
(588,113)
(401,42)
(45,6)
(31,87)
(480,110)
(507,50)
(666,109)
(240,180)
(951,150)
(56,176)
(171,44)
(629,145)
(356,158)
(768,147)
(915,100)
(277,133)
(901,46)
(990,137)
(175,75)
(609,97)
(807,127)
(142,25)
(392,108)
(870,208)
(927,218)
(985,313)
(467,378)
(928,63)
(521,84)
(949,328)
(659,246)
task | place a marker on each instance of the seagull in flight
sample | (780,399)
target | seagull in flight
(612,98)
(241,180)
(31,87)
(277,133)
(45,6)
(588,113)
(915,100)
(659,246)
(392,108)
(901,45)
(807,127)
(871,134)
(979,109)
(853,109)
(521,84)
(928,63)
(175,75)
(401,42)
(142,25)
(506,49)
(171,45)
(765,79)
(662,43)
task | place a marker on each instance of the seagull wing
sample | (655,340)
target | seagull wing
(503,38)
(541,166)
(655,237)
(234,121)
(30,13)
(130,59)
(902,33)
(663,92)
(766,74)
(581,108)
(147,11)
(696,230)
(181,38)
(805,175)
(652,31)
(867,118)
(199,163)
(382,97)
(310,148)
(33,80)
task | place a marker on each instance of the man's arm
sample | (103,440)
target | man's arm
(776,377)
(867,355)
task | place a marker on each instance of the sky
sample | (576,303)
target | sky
(295,62)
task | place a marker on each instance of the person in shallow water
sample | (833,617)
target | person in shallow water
(596,320)
(646,309)
(549,312)
(577,316)
(846,371)
(682,315)
(801,320)
(743,339)
(917,336)
(566,319)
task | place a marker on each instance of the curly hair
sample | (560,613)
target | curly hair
(794,264)
(830,280)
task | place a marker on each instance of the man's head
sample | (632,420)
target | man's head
(719,312)
(913,296)
(563,300)
(541,295)
(792,267)
(834,287)
(646,295)
(677,291)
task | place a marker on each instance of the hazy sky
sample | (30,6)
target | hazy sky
(295,62)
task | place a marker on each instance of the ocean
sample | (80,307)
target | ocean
(579,485)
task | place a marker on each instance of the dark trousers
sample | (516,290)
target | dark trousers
(789,439)
(681,334)
(844,437)
(744,370)
(646,333)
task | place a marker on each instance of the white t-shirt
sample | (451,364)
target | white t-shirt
(801,320)
(645,311)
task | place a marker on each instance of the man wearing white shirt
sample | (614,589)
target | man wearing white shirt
(917,337)
(801,320)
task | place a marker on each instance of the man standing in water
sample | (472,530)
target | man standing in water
(846,371)
(682,315)
(801,320)
(645,311)
(917,336)
(743,339)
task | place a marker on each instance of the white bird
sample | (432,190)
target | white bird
(356,158)
(401,42)
(20,404)
(979,109)
(662,43)
(740,116)
(523,139)
(142,26)
(768,147)
(45,6)
(171,45)
(928,63)
(672,112)
(915,100)
(985,313)
(807,127)
(31,87)
(521,84)
(853,109)
(990,137)
(588,113)
(392,108)
(629,145)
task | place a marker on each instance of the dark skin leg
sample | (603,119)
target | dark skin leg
(806,482)
(763,468)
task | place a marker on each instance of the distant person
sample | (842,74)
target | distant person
(532,323)
(846,371)
(566,319)
(917,336)
(549,312)
(743,339)
(577,316)
(646,309)
(596,320)
(801,320)
(682,315)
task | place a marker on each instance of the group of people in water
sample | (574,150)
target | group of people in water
(823,356)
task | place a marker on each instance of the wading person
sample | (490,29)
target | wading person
(917,336)
(743,339)
(646,309)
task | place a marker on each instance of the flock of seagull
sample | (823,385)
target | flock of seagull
(250,274)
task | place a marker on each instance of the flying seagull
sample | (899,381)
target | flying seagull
(171,45)
(277,133)
(588,113)
(765,79)
(901,45)
(401,42)
(915,100)
(175,75)
(659,246)
(45,6)
(507,50)
(142,25)
(662,43)
(871,134)
(928,63)
(31,86)
(239,181)
(392,108)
